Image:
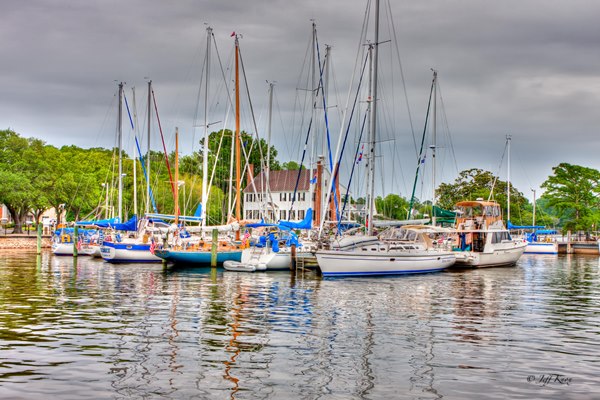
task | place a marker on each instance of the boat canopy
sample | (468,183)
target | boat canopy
(511,226)
(306,223)
(101,223)
(130,225)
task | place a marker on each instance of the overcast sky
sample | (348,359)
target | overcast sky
(528,68)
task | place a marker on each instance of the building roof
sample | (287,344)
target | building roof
(280,181)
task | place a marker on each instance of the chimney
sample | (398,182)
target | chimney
(250,174)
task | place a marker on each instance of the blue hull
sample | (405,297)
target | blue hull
(198,258)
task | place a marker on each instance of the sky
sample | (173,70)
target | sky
(529,69)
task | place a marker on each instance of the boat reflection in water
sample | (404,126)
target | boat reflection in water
(143,331)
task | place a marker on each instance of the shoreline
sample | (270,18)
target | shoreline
(24,242)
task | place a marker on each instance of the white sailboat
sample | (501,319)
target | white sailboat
(399,253)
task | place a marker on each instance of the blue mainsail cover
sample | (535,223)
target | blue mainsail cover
(511,226)
(101,223)
(130,225)
(306,223)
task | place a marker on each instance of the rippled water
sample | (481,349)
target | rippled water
(95,330)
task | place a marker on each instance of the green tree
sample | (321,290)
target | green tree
(392,206)
(291,166)
(572,192)
(476,183)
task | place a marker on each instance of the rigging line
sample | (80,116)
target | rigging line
(336,173)
(402,76)
(498,173)
(316,94)
(334,180)
(445,118)
(354,164)
(163,143)
(421,160)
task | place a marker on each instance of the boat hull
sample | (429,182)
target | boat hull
(66,249)
(197,258)
(499,257)
(272,261)
(127,253)
(541,248)
(355,263)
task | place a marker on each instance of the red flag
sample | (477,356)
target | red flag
(232,34)
(152,246)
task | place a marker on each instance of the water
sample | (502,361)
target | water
(95,330)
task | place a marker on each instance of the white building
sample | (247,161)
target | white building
(281,205)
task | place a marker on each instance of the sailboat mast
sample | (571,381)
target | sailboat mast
(148,153)
(533,190)
(120,134)
(371,204)
(433,148)
(238,182)
(508,138)
(133,159)
(204,199)
(176,176)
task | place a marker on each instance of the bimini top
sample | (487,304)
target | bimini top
(476,203)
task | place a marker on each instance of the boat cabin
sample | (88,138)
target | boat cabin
(476,215)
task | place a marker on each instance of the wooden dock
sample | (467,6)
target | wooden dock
(579,247)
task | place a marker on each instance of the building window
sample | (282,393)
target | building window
(283,214)
(301,214)
(292,215)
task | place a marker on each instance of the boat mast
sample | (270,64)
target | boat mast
(204,199)
(133,159)
(148,153)
(508,138)
(533,190)
(177,176)
(371,204)
(238,183)
(313,157)
(120,134)
(433,147)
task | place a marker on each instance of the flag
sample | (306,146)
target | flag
(314,179)
(423,160)
(232,34)
(360,154)
(152,246)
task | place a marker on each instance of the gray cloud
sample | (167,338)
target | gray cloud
(525,68)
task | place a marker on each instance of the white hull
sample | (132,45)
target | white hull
(504,254)
(541,248)
(122,254)
(66,249)
(272,261)
(359,262)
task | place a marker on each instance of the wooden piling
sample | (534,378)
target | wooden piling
(569,247)
(293,258)
(39,238)
(213,250)
(75,240)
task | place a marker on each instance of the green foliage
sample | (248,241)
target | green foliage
(572,193)
(392,206)
(476,183)
(291,166)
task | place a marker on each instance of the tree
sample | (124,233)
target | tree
(572,191)
(290,166)
(392,206)
(476,183)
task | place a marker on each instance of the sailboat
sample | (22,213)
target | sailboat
(131,241)
(482,238)
(197,251)
(405,250)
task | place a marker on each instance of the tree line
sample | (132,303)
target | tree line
(35,176)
